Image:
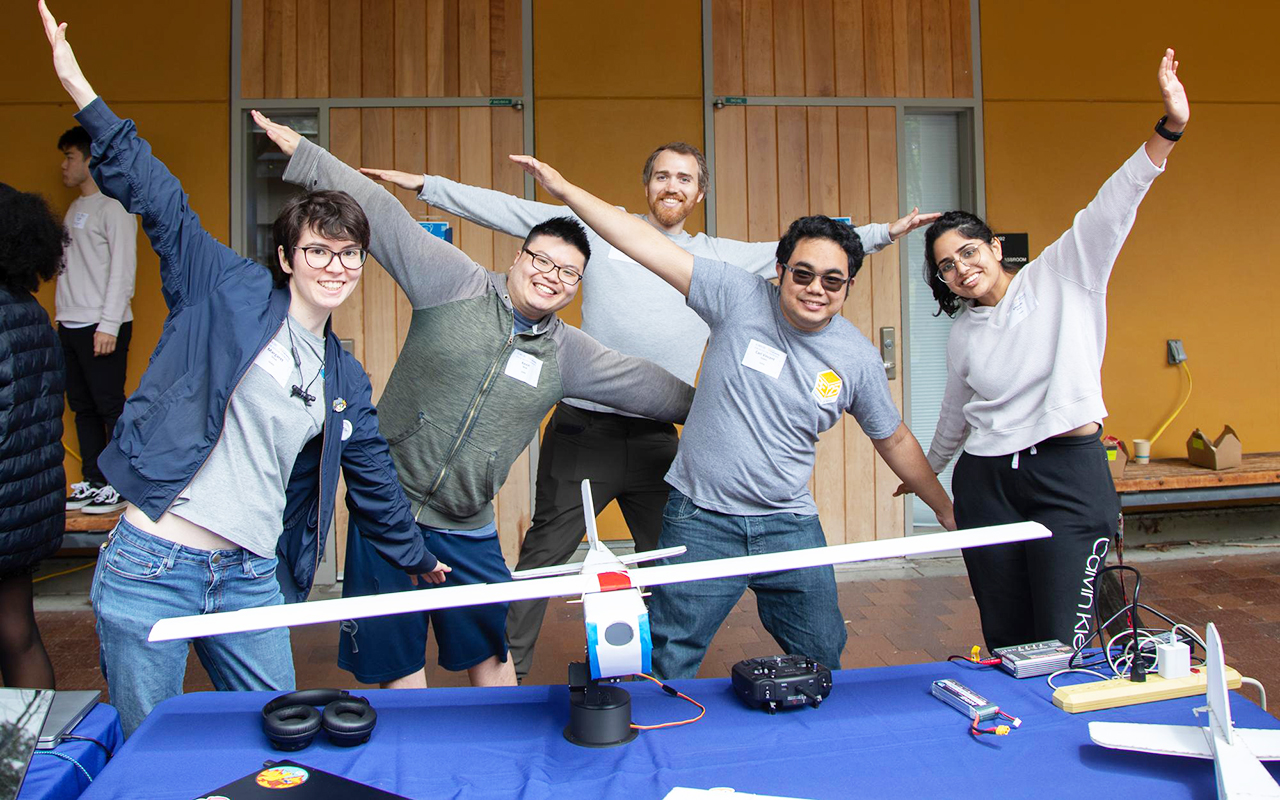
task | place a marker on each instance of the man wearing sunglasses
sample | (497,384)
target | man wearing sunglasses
(629,309)
(485,359)
(781,366)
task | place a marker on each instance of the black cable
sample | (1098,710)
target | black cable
(105,749)
(1097,612)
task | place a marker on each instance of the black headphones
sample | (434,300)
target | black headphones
(291,721)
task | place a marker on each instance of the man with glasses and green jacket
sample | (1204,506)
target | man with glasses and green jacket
(485,359)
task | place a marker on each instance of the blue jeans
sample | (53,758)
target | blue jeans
(140,579)
(798,607)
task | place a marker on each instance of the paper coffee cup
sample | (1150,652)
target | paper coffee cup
(1141,451)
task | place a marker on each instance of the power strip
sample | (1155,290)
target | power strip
(1123,692)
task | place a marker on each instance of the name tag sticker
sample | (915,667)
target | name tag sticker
(763,358)
(524,368)
(274,358)
(618,255)
(1023,305)
(80,219)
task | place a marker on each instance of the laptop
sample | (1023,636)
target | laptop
(22,715)
(68,709)
(303,783)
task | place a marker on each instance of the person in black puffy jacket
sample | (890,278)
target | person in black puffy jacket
(32,377)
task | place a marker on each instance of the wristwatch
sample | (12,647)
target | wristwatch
(1172,136)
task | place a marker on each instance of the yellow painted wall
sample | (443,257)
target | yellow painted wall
(612,81)
(168,71)
(1070,92)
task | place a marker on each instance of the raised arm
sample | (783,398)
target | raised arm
(495,210)
(191,261)
(429,270)
(631,235)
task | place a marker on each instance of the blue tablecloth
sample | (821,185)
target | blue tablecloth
(54,778)
(880,734)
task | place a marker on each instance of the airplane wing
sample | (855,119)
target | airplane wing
(254,619)
(1263,743)
(376,605)
(1169,740)
(1240,775)
(568,569)
(838,554)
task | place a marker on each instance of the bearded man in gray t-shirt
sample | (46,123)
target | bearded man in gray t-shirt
(781,366)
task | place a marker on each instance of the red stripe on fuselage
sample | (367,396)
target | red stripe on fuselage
(613,581)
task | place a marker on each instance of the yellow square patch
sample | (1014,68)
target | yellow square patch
(827,387)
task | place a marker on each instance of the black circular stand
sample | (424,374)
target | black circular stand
(599,716)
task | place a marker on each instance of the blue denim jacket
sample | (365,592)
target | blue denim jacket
(223,310)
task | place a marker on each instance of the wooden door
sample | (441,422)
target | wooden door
(776,162)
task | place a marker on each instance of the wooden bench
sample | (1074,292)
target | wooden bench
(86,531)
(1172,483)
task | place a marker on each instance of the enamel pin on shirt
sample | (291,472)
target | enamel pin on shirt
(339,405)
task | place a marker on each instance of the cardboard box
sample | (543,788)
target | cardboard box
(1222,453)
(1117,456)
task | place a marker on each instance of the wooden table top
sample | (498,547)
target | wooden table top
(81,523)
(1178,473)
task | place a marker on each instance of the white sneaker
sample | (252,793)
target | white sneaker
(106,501)
(81,495)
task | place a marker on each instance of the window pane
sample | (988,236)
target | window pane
(933,184)
(264,190)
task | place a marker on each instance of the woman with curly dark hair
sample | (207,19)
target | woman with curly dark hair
(32,484)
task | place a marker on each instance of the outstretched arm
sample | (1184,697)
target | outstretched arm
(191,261)
(1176,108)
(64,60)
(631,235)
(428,269)
(902,453)
(491,208)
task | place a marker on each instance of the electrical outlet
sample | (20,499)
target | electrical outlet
(1175,352)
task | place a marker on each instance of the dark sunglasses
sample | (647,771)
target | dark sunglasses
(804,277)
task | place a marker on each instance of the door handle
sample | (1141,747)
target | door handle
(889,352)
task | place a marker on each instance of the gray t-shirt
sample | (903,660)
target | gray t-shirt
(767,390)
(239,492)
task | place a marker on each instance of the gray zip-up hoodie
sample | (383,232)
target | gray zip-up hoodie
(456,412)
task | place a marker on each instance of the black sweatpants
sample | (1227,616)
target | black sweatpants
(95,391)
(627,459)
(1042,589)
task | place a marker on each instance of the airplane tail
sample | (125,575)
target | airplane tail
(589,511)
(1216,684)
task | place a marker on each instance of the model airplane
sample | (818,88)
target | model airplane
(1237,753)
(613,608)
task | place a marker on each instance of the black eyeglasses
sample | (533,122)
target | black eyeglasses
(568,275)
(804,277)
(318,257)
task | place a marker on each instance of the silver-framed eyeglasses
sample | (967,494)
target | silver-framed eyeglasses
(318,257)
(568,275)
(968,258)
